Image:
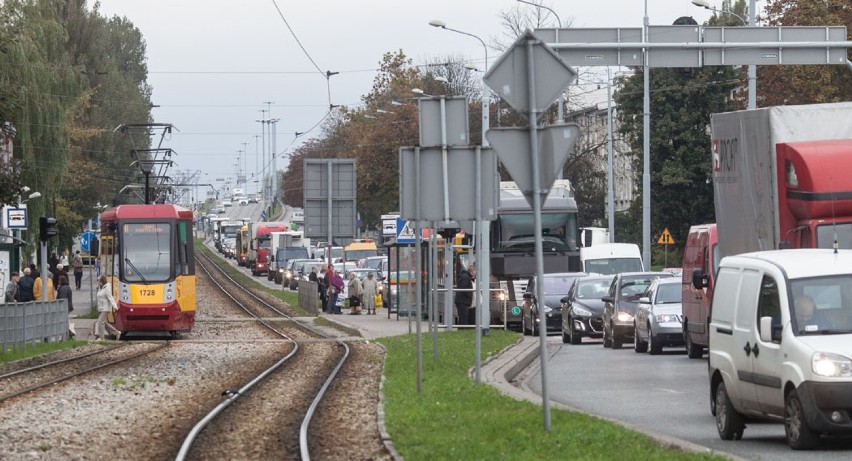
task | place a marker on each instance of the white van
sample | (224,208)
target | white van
(611,258)
(781,343)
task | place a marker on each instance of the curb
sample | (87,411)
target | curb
(383,433)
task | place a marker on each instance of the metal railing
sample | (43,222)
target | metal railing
(32,322)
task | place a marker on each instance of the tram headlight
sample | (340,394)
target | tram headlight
(124,292)
(169,295)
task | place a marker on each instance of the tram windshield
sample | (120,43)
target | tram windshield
(146,255)
(512,233)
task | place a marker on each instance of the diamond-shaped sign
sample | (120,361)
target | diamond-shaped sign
(512,145)
(512,73)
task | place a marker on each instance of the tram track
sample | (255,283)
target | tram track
(269,417)
(27,380)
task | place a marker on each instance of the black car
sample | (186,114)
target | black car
(582,309)
(620,305)
(555,286)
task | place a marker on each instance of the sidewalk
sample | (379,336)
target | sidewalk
(84,299)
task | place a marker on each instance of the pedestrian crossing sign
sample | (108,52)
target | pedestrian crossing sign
(666,238)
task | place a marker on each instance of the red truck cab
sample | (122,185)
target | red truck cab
(261,243)
(815,196)
(700,262)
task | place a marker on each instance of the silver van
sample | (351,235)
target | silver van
(781,343)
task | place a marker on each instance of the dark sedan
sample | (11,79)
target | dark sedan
(620,305)
(555,287)
(582,309)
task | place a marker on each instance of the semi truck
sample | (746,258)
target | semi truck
(780,180)
(260,242)
(512,244)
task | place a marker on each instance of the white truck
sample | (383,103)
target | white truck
(285,246)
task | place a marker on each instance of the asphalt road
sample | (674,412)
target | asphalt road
(667,393)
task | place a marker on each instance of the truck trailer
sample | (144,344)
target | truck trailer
(780,180)
(260,242)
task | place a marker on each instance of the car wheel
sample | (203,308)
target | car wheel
(693,350)
(607,340)
(576,338)
(654,347)
(799,435)
(729,422)
(639,346)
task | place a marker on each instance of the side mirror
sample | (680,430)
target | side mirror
(528,296)
(564,300)
(645,300)
(699,279)
(607,299)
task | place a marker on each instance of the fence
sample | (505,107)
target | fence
(31,322)
(309,297)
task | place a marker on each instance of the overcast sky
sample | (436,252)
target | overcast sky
(213,63)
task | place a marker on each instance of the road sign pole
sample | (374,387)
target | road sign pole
(418,286)
(478,296)
(539,255)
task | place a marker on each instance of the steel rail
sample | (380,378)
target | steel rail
(82,372)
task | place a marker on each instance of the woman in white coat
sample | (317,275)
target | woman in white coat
(106,303)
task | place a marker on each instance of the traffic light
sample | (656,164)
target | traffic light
(47,228)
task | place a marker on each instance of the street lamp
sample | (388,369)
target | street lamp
(752,69)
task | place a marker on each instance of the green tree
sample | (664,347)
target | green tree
(681,181)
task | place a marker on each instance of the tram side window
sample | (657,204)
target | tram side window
(185,253)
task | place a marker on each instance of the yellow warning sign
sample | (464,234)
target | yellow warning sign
(666,238)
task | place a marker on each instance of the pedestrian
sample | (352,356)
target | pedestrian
(370,288)
(354,294)
(64,258)
(464,295)
(336,287)
(25,286)
(52,261)
(64,292)
(106,304)
(322,287)
(97,267)
(78,269)
(12,288)
(37,287)
(59,272)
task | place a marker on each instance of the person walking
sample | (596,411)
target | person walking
(64,292)
(464,299)
(77,264)
(64,258)
(12,288)
(354,294)
(106,304)
(335,290)
(370,288)
(52,261)
(25,286)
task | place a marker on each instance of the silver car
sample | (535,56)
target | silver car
(659,317)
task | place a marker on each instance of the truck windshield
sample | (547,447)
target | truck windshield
(147,256)
(822,305)
(286,254)
(357,255)
(514,232)
(610,266)
(265,242)
(825,235)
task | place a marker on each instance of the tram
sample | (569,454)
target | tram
(147,255)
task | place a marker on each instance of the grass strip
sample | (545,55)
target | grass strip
(33,350)
(454,419)
(289,297)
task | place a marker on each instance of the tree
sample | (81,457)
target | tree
(780,85)
(681,180)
